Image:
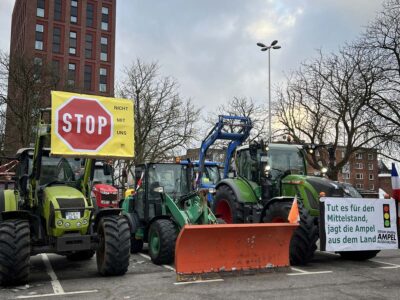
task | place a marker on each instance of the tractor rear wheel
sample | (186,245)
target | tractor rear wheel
(162,238)
(303,242)
(15,252)
(227,207)
(358,255)
(81,255)
(114,246)
(136,245)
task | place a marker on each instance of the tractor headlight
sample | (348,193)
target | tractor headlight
(84,222)
(267,168)
(67,224)
(78,224)
(59,223)
(324,170)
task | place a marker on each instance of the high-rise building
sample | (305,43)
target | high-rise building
(75,37)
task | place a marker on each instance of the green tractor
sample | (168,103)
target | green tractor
(268,178)
(51,211)
(164,201)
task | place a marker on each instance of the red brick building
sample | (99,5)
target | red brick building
(361,171)
(75,37)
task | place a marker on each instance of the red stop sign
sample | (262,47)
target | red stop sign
(84,124)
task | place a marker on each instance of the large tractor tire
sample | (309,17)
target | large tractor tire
(227,207)
(114,246)
(162,238)
(358,255)
(15,252)
(81,255)
(303,242)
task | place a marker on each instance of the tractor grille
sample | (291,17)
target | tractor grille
(109,197)
(71,203)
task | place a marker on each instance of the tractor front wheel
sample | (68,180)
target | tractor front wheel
(114,246)
(227,207)
(15,252)
(303,242)
(162,238)
(358,255)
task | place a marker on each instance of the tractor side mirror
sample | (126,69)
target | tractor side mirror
(159,189)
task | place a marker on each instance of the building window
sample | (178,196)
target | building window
(104,18)
(370,156)
(39,37)
(90,15)
(56,39)
(88,78)
(72,42)
(88,45)
(359,176)
(71,74)
(359,185)
(372,187)
(40,8)
(104,46)
(359,166)
(343,154)
(58,10)
(371,176)
(370,167)
(346,176)
(103,80)
(74,11)
(359,156)
(55,64)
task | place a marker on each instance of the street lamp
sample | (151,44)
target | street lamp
(265,48)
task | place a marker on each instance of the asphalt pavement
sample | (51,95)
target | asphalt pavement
(326,277)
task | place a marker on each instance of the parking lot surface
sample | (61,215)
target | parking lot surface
(326,277)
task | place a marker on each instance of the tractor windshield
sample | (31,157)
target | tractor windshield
(172,177)
(286,159)
(211,175)
(100,177)
(59,169)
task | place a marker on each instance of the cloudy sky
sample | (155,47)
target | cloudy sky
(209,46)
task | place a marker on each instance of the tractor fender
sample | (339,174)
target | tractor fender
(273,200)
(133,221)
(243,191)
(105,212)
(8,201)
(16,214)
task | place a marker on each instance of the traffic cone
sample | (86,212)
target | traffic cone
(294,216)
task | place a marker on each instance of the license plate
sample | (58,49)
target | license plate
(72,215)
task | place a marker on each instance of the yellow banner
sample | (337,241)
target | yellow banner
(91,126)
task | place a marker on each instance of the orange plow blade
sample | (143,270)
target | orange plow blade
(208,249)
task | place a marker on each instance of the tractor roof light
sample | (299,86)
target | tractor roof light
(322,194)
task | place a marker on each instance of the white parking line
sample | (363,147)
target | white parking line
(198,281)
(389,265)
(302,272)
(55,283)
(57,288)
(165,266)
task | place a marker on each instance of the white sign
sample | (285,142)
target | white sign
(356,224)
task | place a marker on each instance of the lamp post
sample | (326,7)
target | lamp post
(265,48)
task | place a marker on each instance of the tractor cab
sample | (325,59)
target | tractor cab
(172,178)
(51,171)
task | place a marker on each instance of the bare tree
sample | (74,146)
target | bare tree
(326,102)
(24,88)
(382,42)
(164,122)
(244,107)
